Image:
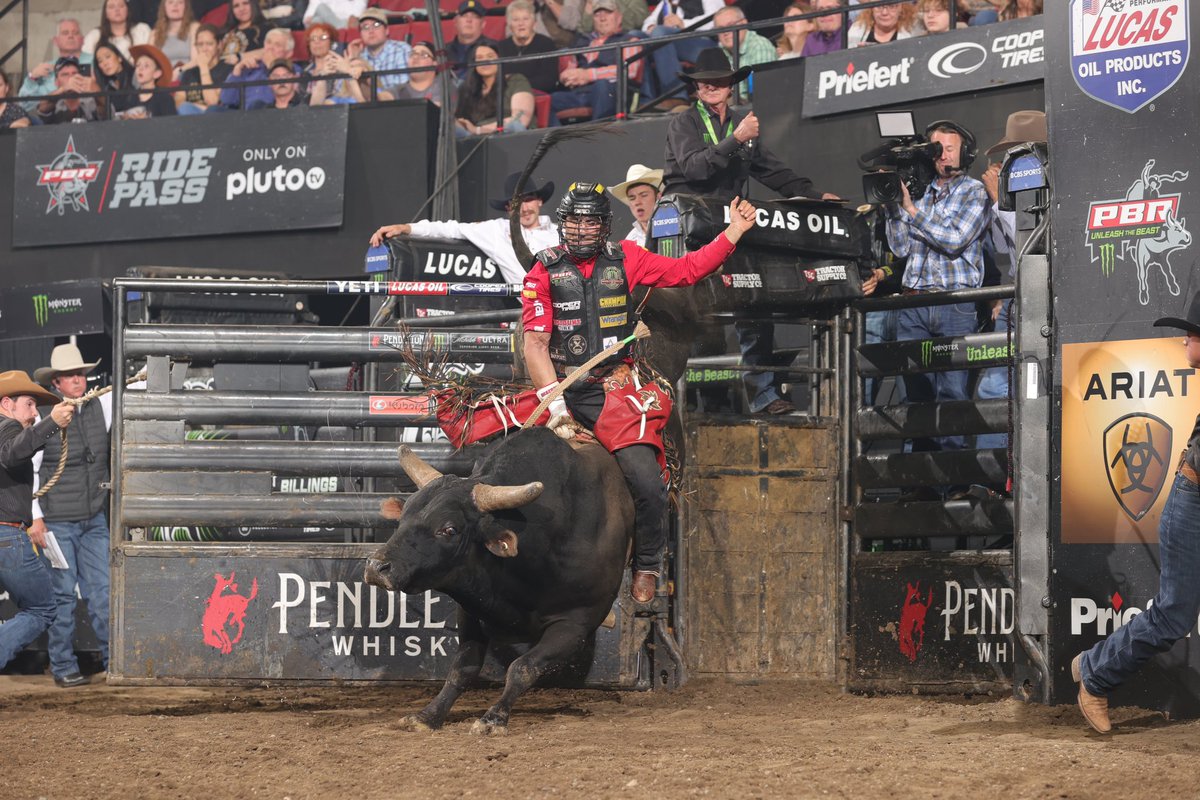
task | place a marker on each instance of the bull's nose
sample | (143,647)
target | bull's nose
(379,573)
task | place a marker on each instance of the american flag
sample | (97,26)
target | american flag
(1092,6)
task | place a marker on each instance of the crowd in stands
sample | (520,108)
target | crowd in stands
(352,51)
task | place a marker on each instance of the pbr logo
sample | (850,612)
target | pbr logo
(67,178)
(225,613)
(1136,449)
(1143,227)
(1126,53)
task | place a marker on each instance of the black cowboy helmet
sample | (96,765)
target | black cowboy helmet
(584,199)
(713,65)
(542,192)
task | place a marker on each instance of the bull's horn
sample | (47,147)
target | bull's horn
(497,498)
(417,470)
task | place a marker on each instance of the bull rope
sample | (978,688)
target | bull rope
(62,432)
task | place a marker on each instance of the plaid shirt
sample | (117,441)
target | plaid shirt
(944,241)
(755,49)
(393,55)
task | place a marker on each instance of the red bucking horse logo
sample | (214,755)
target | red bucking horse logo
(226,612)
(912,620)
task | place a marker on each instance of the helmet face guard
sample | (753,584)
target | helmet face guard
(584,205)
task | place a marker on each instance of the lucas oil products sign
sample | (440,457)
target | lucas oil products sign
(179,176)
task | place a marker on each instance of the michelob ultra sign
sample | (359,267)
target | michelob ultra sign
(1128,408)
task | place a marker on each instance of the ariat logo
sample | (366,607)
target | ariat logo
(1136,449)
(41,309)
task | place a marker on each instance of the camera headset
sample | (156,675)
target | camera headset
(970,149)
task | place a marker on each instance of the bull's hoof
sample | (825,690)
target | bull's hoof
(414,723)
(483,727)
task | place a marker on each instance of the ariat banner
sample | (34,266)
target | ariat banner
(179,176)
(1128,407)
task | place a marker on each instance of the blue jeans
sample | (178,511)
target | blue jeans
(85,546)
(599,96)
(878,326)
(993,384)
(667,57)
(930,322)
(756,340)
(23,576)
(1173,614)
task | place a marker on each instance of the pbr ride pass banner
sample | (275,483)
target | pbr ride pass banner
(180,176)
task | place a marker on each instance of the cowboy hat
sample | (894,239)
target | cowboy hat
(1191,324)
(15,383)
(634,176)
(713,65)
(531,188)
(64,358)
(1021,127)
(159,57)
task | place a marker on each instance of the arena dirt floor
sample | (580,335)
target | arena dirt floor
(714,739)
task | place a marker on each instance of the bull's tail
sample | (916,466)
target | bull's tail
(544,146)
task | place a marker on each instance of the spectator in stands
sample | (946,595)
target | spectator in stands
(667,18)
(151,69)
(277,47)
(283,95)
(379,51)
(12,115)
(355,89)
(468,29)
(64,103)
(422,85)
(523,41)
(245,31)
(883,24)
(113,73)
(753,49)
(115,27)
(935,16)
(174,32)
(40,81)
(827,37)
(494,236)
(791,42)
(285,13)
(1019,9)
(575,16)
(640,191)
(477,106)
(204,69)
(942,237)
(590,78)
(338,13)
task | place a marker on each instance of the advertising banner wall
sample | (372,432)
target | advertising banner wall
(181,176)
(53,309)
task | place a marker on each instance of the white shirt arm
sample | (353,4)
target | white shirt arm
(447,229)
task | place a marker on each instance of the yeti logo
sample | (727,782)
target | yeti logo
(66,178)
(1143,227)
(224,611)
(1136,448)
(912,620)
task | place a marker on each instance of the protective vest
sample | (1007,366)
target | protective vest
(82,491)
(589,314)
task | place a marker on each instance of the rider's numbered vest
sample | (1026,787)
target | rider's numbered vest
(590,314)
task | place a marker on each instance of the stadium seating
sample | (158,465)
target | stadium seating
(217,16)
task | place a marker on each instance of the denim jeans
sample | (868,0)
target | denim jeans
(929,322)
(667,57)
(878,326)
(599,96)
(23,576)
(85,546)
(756,340)
(993,385)
(1173,613)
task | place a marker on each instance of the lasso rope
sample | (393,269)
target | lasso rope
(62,432)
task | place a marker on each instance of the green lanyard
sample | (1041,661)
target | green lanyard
(710,135)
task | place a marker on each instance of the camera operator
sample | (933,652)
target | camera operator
(941,235)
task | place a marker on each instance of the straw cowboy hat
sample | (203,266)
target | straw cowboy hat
(159,57)
(713,65)
(64,358)
(1021,127)
(635,175)
(1191,324)
(15,383)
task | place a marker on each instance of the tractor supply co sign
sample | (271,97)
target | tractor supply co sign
(959,61)
(143,179)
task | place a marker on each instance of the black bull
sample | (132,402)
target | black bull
(532,546)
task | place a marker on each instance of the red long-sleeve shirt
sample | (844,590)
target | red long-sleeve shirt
(642,268)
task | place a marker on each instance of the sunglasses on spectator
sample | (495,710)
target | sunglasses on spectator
(369,24)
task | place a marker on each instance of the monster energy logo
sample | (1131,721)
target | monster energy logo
(666,247)
(926,352)
(41,309)
(943,351)
(1108,258)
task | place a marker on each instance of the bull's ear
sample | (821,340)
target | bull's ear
(391,508)
(503,544)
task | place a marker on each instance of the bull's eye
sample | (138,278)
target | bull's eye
(447,530)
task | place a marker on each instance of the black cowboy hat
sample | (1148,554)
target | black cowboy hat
(713,65)
(531,188)
(1191,324)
